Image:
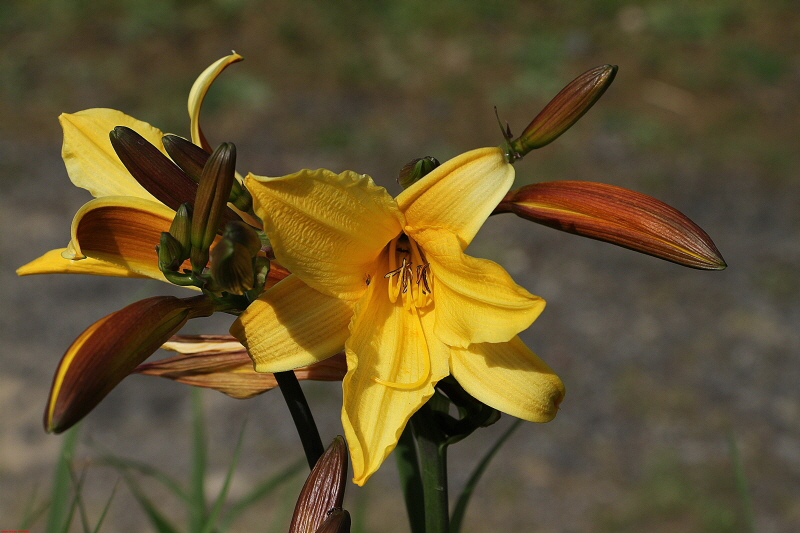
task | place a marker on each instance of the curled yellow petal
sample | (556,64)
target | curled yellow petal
(122,231)
(198,93)
(459,194)
(91,161)
(292,325)
(109,350)
(509,377)
(53,262)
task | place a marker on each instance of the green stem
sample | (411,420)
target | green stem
(411,480)
(433,465)
(301,414)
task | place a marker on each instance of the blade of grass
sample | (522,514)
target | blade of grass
(223,493)
(158,520)
(259,492)
(463,499)
(197,496)
(59,496)
(32,512)
(121,465)
(741,484)
(105,509)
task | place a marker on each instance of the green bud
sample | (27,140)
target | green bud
(232,267)
(170,253)
(181,229)
(414,170)
(563,111)
(261,268)
(243,234)
(211,202)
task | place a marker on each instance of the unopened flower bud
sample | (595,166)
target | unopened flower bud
(232,266)
(338,521)
(414,170)
(618,216)
(563,111)
(191,158)
(244,234)
(170,253)
(151,168)
(212,197)
(181,228)
(323,491)
(109,350)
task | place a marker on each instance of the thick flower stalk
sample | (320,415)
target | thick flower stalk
(388,279)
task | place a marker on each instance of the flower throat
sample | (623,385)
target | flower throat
(410,280)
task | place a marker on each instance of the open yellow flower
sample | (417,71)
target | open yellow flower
(388,279)
(115,234)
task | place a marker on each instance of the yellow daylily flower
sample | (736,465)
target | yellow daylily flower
(115,234)
(387,278)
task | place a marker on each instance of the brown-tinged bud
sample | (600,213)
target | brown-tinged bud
(244,234)
(220,362)
(109,350)
(415,169)
(618,216)
(191,158)
(563,111)
(232,267)
(170,253)
(323,491)
(338,521)
(152,169)
(181,228)
(212,197)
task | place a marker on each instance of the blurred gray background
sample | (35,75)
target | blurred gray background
(664,366)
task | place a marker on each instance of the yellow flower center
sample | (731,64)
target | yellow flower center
(411,281)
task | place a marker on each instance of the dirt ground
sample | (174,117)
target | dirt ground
(664,366)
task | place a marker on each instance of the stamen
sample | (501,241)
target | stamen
(426,372)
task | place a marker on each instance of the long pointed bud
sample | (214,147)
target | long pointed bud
(323,491)
(212,198)
(109,350)
(618,216)
(563,111)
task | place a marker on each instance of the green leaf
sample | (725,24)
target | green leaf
(223,493)
(59,497)
(463,499)
(158,521)
(197,496)
(122,465)
(105,509)
(260,491)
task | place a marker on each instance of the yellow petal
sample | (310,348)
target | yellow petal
(89,157)
(476,300)
(326,228)
(292,325)
(54,263)
(198,93)
(459,194)
(393,344)
(510,378)
(121,230)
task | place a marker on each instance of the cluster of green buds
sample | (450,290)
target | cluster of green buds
(204,227)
